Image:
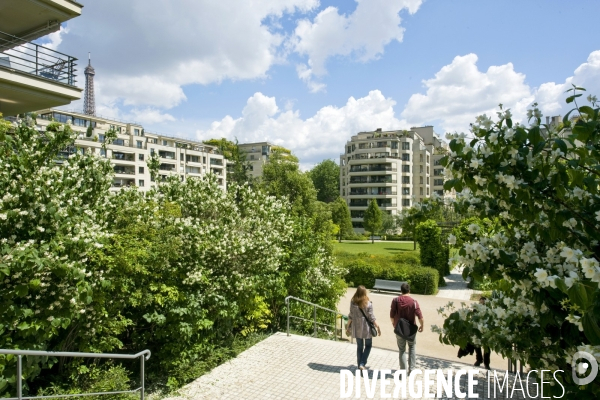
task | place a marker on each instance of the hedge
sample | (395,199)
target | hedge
(422,280)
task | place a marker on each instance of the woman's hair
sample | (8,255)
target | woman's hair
(360,298)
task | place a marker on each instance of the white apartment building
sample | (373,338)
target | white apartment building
(133,147)
(33,77)
(396,168)
(257,154)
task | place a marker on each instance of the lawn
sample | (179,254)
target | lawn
(377,248)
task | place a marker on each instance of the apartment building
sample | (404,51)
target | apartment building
(33,77)
(257,154)
(133,147)
(397,168)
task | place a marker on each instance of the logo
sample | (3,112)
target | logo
(580,368)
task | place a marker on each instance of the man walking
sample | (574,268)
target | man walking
(406,307)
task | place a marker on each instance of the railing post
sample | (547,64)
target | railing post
(287,302)
(315,316)
(335,327)
(143,385)
(19,373)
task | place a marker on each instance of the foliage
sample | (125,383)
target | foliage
(340,215)
(377,248)
(326,179)
(238,170)
(89,131)
(388,224)
(372,219)
(364,270)
(182,269)
(469,229)
(543,186)
(434,254)
(153,164)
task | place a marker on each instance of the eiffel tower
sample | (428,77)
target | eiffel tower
(89,104)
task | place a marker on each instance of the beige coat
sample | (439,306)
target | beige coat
(359,326)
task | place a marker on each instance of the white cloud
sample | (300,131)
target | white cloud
(459,92)
(313,139)
(54,39)
(145,51)
(363,34)
(551,96)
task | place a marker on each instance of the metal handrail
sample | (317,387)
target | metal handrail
(37,60)
(142,355)
(315,323)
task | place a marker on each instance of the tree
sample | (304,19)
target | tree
(372,219)
(237,170)
(326,179)
(340,214)
(388,223)
(542,185)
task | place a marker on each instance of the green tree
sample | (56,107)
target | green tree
(388,223)
(372,219)
(340,214)
(326,179)
(433,252)
(542,186)
(237,170)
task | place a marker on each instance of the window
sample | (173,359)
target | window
(405,202)
(349,150)
(153,140)
(181,155)
(204,160)
(251,156)
(141,157)
(420,168)
(406,179)
(141,170)
(405,191)
(420,157)
(406,168)
(101,138)
(421,181)
(151,152)
(427,191)
(195,159)
(394,145)
(438,182)
(119,142)
(437,162)
(427,158)
(136,132)
(405,146)
(102,152)
(141,183)
(439,192)
(421,191)
(139,144)
(165,143)
(438,172)
(405,157)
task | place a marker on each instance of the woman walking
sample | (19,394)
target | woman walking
(361,309)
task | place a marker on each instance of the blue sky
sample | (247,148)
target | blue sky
(309,74)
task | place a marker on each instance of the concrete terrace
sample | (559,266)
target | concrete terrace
(303,368)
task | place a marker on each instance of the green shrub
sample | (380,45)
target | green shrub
(422,280)
(433,253)
(407,259)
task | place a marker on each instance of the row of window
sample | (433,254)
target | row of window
(371,145)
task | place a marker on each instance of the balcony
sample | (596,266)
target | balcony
(372,167)
(34,77)
(33,19)
(169,155)
(167,167)
(123,156)
(371,179)
(119,183)
(123,170)
(216,162)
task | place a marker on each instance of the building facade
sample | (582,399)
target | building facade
(397,168)
(257,155)
(134,146)
(33,77)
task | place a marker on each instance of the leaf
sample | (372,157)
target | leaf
(587,110)
(561,285)
(578,295)
(570,99)
(591,328)
(23,325)
(509,123)
(539,147)
(561,145)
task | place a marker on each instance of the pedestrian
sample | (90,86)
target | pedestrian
(485,358)
(359,318)
(404,306)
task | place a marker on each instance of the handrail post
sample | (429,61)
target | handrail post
(19,373)
(143,386)
(287,302)
(315,316)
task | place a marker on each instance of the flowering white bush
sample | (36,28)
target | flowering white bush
(179,270)
(542,184)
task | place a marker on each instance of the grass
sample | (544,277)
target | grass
(377,248)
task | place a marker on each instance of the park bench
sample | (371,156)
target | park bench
(388,286)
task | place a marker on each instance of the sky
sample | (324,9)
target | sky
(309,74)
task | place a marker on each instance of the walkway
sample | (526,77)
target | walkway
(456,287)
(299,367)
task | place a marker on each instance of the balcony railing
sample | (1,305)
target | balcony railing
(31,58)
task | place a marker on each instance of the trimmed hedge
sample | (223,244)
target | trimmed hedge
(422,280)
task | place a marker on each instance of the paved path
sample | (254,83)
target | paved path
(428,343)
(456,287)
(303,368)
